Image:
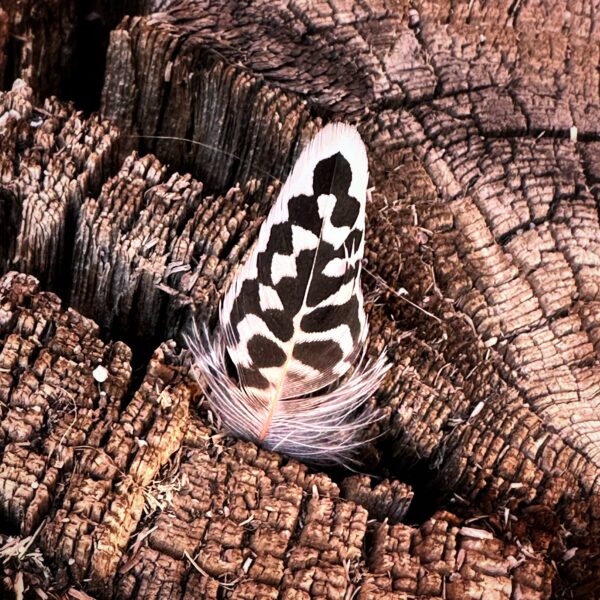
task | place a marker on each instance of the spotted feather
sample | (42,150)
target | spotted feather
(293,321)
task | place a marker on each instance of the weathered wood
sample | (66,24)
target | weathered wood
(36,42)
(50,407)
(483,244)
(152,249)
(483,412)
(469,190)
(82,454)
(240,126)
(51,158)
(387,501)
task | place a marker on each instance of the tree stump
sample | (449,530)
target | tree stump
(124,483)
(482,280)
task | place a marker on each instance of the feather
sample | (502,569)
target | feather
(293,322)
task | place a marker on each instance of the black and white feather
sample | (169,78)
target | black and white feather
(293,322)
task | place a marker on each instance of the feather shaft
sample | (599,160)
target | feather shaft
(284,371)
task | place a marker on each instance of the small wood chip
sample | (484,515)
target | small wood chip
(570,553)
(79,595)
(479,534)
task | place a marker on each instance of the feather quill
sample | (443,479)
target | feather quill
(293,322)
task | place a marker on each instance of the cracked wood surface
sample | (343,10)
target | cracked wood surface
(152,244)
(50,160)
(483,235)
(128,482)
(35,43)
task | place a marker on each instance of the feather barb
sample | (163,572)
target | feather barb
(293,322)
